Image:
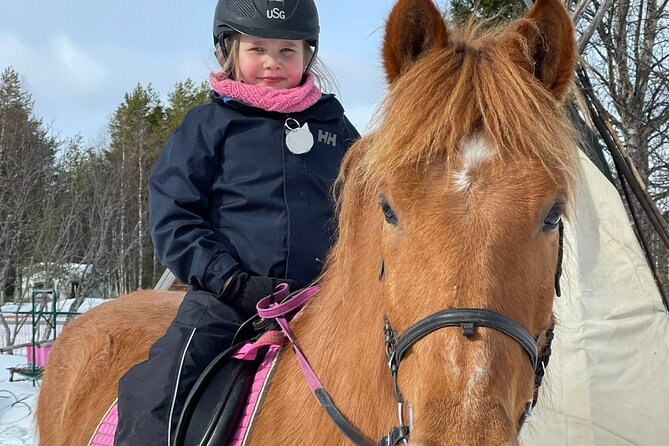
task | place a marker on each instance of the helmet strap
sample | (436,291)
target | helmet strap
(224,48)
(311,62)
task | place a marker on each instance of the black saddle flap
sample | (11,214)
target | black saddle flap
(215,403)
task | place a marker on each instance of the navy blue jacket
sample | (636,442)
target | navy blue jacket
(226,192)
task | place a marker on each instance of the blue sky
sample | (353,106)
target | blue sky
(78,57)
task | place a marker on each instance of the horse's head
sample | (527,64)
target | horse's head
(466,178)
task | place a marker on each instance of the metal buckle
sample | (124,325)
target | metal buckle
(390,338)
(525,420)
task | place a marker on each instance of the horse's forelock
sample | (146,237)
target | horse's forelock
(477,83)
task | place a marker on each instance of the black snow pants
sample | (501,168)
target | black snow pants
(151,394)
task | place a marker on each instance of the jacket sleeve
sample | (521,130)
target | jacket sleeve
(179,213)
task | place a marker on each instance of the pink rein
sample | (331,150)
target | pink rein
(269,309)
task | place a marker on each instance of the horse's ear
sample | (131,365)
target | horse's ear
(549,33)
(413,27)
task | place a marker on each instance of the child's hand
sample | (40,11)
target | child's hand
(243,291)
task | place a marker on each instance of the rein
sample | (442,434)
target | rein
(397,348)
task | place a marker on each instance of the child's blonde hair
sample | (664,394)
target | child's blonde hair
(230,65)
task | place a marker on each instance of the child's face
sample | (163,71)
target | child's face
(271,63)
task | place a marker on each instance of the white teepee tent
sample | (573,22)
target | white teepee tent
(607,383)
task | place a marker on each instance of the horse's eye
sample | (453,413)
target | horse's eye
(553,218)
(388,213)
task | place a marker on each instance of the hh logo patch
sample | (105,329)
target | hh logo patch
(275,9)
(327,138)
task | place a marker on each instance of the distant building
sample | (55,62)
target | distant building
(66,278)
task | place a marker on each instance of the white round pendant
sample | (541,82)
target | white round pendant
(299,140)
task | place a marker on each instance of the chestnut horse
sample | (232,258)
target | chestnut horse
(453,201)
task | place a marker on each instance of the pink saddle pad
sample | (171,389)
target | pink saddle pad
(104,435)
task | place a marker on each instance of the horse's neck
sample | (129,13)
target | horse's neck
(341,334)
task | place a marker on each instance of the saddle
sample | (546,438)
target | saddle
(216,403)
(224,401)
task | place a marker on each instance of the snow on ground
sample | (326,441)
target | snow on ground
(18,401)
(62,305)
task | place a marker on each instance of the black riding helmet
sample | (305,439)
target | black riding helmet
(270,19)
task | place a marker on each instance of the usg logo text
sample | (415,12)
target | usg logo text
(276,13)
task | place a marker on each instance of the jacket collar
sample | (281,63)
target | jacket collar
(327,108)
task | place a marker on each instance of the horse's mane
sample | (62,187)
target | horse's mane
(482,81)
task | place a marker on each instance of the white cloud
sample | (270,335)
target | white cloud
(61,68)
(64,78)
(76,69)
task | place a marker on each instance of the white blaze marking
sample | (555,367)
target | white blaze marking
(475,154)
(476,379)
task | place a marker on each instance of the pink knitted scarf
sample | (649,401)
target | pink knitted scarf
(286,100)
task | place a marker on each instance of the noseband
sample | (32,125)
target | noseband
(467,319)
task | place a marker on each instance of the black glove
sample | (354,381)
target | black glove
(244,291)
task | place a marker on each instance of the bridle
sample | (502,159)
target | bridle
(397,347)
(467,319)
